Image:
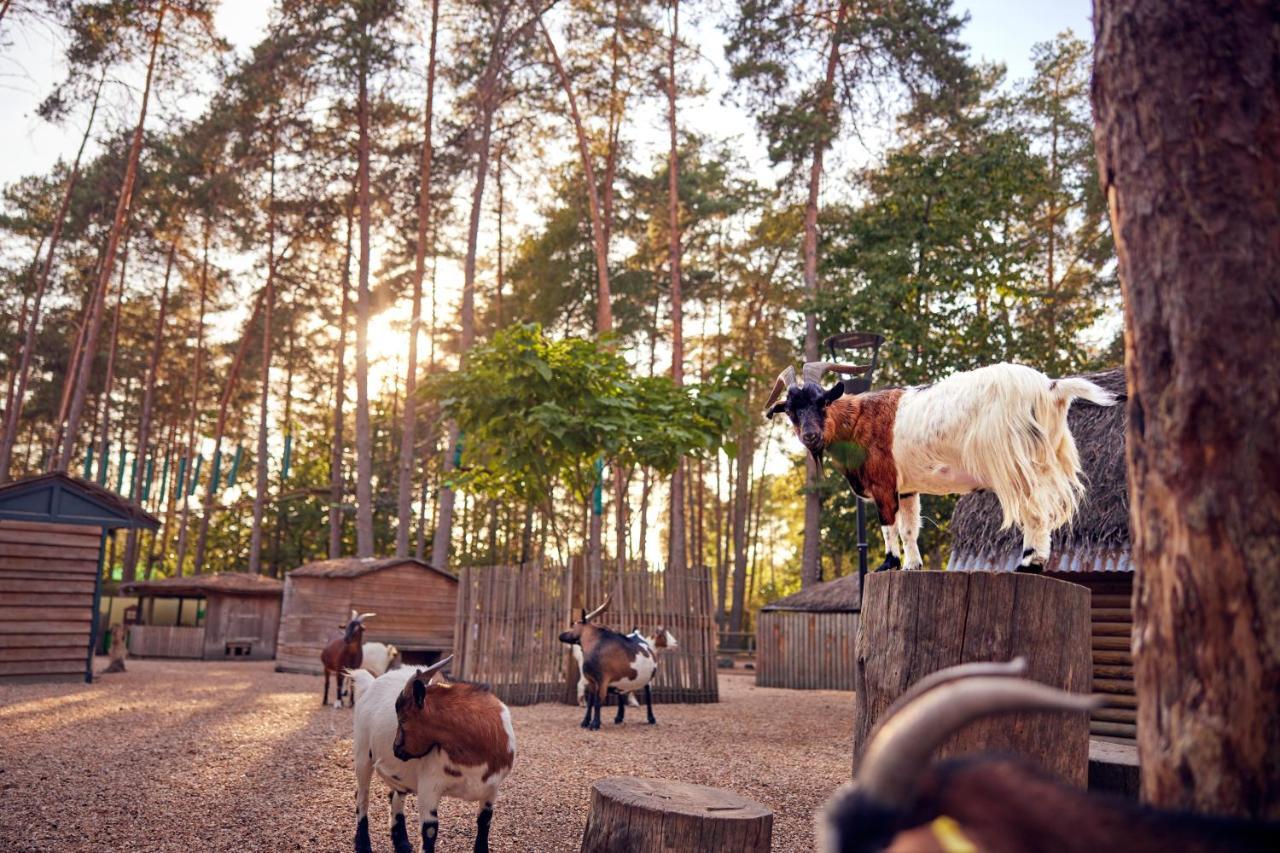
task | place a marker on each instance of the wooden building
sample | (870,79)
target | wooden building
(232,616)
(805,641)
(1092,551)
(414,604)
(53,537)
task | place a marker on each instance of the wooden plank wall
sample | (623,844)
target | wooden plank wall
(166,641)
(415,606)
(240,619)
(805,650)
(509,619)
(1112,618)
(47,574)
(313,612)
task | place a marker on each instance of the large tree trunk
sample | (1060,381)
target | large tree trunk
(364,441)
(104,416)
(268,304)
(13,413)
(677,558)
(409,432)
(129,572)
(811,553)
(108,260)
(741,506)
(1188,107)
(339,401)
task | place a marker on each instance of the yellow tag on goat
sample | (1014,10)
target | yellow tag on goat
(950,837)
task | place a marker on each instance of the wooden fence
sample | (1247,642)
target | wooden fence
(806,650)
(509,621)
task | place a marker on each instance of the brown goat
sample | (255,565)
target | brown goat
(611,662)
(344,653)
(900,802)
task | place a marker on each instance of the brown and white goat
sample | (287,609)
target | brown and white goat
(1001,427)
(344,653)
(433,737)
(901,802)
(611,662)
(661,641)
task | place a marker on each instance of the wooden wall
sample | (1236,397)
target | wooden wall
(47,577)
(241,619)
(804,650)
(1111,647)
(166,641)
(415,608)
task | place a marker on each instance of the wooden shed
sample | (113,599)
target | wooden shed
(414,604)
(1093,551)
(805,641)
(233,616)
(53,535)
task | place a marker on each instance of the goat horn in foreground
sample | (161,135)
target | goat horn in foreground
(813,371)
(785,380)
(1012,669)
(594,613)
(434,668)
(900,750)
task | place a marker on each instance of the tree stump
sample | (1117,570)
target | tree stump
(634,815)
(916,623)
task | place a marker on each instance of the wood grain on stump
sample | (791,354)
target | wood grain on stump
(649,815)
(916,623)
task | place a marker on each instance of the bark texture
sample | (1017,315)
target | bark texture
(652,815)
(1187,100)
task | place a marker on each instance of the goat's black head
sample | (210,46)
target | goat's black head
(574,634)
(806,406)
(353,631)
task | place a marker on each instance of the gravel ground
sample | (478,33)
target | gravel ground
(237,757)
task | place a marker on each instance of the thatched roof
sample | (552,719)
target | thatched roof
(1098,539)
(354,567)
(195,586)
(837,596)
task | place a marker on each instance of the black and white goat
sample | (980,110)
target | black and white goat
(661,641)
(433,737)
(1002,428)
(611,662)
(901,802)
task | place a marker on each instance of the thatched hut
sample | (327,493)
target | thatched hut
(805,641)
(233,616)
(415,604)
(1093,551)
(53,535)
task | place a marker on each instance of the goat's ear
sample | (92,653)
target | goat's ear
(776,410)
(836,392)
(419,691)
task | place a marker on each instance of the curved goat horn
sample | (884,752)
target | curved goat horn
(594,613)
(1012,669)
(364,616)
(785,380)
(894,759)
(813,371)
(434,668)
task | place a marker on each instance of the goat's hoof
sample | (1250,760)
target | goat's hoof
(891,563)
(1030,569)
(913,567)
(652,721)
(595,727)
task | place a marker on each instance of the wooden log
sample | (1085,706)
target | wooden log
(658,816)
(916,623)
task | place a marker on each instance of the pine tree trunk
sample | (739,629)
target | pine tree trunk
(268,305)
(339,401)
(409,430)
(1188,137)
(677,557)
(811,553)
(741,505)
(118,225)
(364,442)
(13,412)
(129,571)
(104,417)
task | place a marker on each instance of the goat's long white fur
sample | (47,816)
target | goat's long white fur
(1002,428)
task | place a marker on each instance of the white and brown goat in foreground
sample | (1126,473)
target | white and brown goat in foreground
(661,641)
(435,738)
(1002,428)
(901,802)
(611,662)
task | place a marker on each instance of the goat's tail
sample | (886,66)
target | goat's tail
(1025,449)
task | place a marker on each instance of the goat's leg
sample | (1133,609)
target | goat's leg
(622,709)
(428,800)
(648,701)
(602,693)
(1035,549)
(483,818)
(909,530)
(364,772)
(590,697)
(325,700)
(892,553)
(399,833)
(337,702)
(887,508)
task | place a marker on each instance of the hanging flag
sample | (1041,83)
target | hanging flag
(288,456)
(88,462)
(217,471)
(235,466)
(195,477)
(597,494)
